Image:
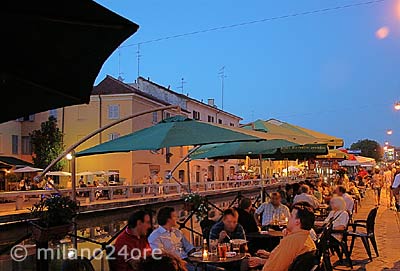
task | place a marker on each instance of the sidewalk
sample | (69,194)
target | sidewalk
(387,231)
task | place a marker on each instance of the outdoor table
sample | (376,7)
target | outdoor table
(267,240)
(215,260)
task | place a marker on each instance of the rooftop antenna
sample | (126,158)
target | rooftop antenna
(182,84)
(120,78)
(138,55)
(222,76)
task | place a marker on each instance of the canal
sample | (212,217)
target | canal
(99,226)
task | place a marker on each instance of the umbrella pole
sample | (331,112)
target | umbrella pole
(73,196)
(190,190)
(262,179)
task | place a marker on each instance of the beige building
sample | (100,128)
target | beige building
(111,100)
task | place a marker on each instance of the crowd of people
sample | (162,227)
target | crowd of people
(294,206)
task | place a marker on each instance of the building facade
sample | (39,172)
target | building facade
(111,100)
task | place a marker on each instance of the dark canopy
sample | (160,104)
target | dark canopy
(52,52)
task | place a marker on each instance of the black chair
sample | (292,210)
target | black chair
(305,262)
(322,253)
(366,236)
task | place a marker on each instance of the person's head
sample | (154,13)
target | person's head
(304,189)
(296,188)
(289,189)
(337,203)
(302,217)
(140,222)
(167,216)
(164,262)
(230,219)
(275,199)
(245,204)
(340,190)
(352,185)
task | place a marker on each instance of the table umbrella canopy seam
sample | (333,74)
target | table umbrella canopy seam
(172,132)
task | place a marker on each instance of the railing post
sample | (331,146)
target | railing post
(111,193)
(91,195)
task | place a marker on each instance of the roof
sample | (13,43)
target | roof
(188,98)
(113,86)
(12,161)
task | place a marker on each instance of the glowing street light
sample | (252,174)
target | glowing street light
(389,132)
(397,106)
(386,143)
(69,156)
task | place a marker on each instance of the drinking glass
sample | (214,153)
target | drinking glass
(222,249)
(213,246)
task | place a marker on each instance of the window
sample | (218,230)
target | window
(232,124)
(196,115)
(53,113)
(82,112)
(113,136)
(27,118)
(14,144)
(168,155)
(167,115)
(113,111)
(210,118)
(26,146)
(219,121)
(155,117)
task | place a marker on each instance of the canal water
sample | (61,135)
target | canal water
(98,226)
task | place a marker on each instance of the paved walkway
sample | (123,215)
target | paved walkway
(387,231)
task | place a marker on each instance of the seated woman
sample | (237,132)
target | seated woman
(338,216)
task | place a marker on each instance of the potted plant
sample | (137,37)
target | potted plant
(53,217)
(197,203)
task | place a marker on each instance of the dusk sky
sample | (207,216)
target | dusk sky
(337,72)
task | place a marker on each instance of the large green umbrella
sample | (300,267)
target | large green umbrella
(172,132)
(239,150)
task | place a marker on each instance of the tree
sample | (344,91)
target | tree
(47,144)
(369,148)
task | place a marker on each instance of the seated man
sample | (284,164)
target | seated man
(246,217)
(169,239)
(228,228)
(132,242)
(306,197)
(297,242)
(341,192)
(274,207)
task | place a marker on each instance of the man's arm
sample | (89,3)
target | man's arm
(187,246)
(155,242)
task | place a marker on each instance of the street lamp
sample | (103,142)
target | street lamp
(389,132)
(397,106)
(69,156)
(386,143)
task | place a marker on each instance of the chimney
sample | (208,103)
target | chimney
(211,102)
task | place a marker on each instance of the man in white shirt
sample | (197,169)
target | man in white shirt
(396,188)
(341,192)
(305,196)
(268,210)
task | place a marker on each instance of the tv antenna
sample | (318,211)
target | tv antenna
(182,84)
(138,56)
(222,76)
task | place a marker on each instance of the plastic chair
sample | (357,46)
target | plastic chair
(368,235)
(304,262)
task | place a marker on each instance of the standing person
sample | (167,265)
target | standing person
(170,239)
(271,209)
(387,182)
(396,188)
(377,183)
(131,246)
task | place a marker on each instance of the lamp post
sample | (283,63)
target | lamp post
(389,132)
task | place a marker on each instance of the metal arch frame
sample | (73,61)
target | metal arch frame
(89,136)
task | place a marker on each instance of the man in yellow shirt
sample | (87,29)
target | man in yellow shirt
(297,242)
